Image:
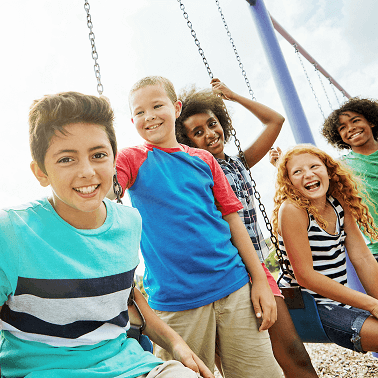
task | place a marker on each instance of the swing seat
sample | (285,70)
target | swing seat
(307,321)
(144,341)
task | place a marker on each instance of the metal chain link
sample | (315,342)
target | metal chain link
(100,88)
(321,82)
(196,41)
(333,89)
(236,52)
(308,79)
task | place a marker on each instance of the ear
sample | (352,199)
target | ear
(178,108)
(39,174)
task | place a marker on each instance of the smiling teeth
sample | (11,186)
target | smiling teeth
(87,189)
(152,127)
(354,135)
(313,185)
(213,142)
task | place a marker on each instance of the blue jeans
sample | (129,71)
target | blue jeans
(343,325)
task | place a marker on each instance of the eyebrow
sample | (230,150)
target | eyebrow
(75,151)
(351,118)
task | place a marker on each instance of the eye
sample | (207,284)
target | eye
(212,123)
(100,155)
(65,160)
(341,128)
(198,133)
(158,106)
(139,113)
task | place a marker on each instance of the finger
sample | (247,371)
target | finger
(203,369)
(214,80)
(279,150)
(190,363)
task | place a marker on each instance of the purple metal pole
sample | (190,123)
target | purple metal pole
(284,83)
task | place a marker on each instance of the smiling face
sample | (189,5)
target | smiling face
(154,115)
(206,132)
(309,175)
(79,169)
(355,130)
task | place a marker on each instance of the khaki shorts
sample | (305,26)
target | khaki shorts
(229,326)
(171,369)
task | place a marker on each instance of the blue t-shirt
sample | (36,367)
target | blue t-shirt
(181,194)
(64,292)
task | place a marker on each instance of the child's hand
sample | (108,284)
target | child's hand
(181,352)
(274,154)
(220,89)
(264,304)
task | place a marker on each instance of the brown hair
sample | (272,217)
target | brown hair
(341,186)
(201,101)
(52,112)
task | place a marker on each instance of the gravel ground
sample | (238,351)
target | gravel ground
(331,360)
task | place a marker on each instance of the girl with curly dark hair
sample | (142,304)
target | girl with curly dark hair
(205,123)
(354,127)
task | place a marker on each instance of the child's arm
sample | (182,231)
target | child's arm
(163,335)
(262,296)
(362,259)
(270,118)
(292,225)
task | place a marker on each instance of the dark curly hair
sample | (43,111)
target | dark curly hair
(364,106)
(196,101)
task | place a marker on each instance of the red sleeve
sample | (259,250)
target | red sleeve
(129,160)
(225,198)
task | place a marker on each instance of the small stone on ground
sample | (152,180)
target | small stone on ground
(332,361)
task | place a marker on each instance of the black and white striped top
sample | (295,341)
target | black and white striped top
(328,253)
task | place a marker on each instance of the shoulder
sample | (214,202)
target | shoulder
(132,152)
(290,211)
(123,211)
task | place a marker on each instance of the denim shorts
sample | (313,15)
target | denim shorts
(343,325)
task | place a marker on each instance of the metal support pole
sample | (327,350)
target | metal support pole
(284,83)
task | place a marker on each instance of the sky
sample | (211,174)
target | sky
(46,49)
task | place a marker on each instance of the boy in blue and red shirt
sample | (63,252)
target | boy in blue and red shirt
(197,252)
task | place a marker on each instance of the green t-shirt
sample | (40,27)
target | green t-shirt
(366,167)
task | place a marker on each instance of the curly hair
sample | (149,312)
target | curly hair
(363,106)
(342,185)
(196,101)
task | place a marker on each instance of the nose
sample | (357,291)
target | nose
(150,116)
(210,133)
(307,173)
(86,169)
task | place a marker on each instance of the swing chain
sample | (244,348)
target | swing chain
(196,41)
(100,88)
(308,79)
(236,52)
(283,264)
(321,82)
(117,187)
(333,89)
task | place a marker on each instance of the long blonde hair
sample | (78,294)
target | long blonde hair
(342,186)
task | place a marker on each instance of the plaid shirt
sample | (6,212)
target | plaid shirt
(238,177)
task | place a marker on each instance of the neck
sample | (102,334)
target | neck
(367,149)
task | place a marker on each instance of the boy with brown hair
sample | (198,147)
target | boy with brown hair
(67,262)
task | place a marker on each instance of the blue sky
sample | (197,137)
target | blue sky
(46,49)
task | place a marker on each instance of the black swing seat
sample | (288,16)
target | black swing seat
(305,316)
